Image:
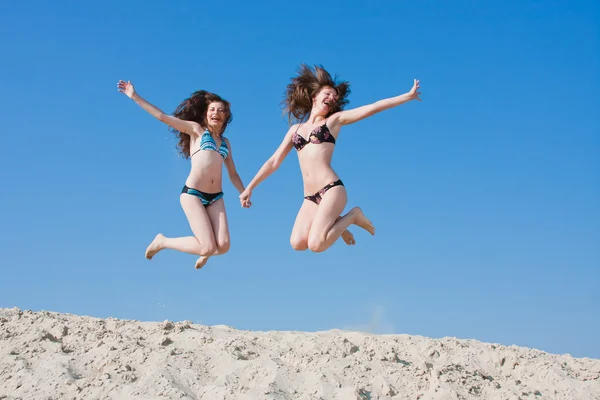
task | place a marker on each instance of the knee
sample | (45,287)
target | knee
(223,246)
(208,249)
(316,243)
(298,243)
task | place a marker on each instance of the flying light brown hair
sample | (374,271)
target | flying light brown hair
(305,86)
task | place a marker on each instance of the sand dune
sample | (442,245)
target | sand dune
(47,355)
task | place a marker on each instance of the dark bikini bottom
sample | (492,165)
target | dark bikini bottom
(317,197)
(206,198)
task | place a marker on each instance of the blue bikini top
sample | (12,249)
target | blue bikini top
(208,143)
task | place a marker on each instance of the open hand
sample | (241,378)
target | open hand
(126,87)
(414,92)
(245,198)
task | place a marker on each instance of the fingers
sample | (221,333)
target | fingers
(245,202)
(416,87)
(123,84)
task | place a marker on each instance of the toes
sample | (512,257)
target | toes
(201,262)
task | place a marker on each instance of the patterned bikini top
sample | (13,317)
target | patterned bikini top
(208,143)
(320,134)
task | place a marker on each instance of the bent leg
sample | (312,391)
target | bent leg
(327,226)
(220,226)
(302,224)
(203,241)
(218,219)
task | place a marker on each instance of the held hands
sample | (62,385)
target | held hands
(245,198)
(414,92)
(126,87)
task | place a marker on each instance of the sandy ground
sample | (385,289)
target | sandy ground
(47,355)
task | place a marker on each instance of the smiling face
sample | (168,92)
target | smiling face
(216,115)
(325,101)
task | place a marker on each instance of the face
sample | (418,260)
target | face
(324,101)
(216,115)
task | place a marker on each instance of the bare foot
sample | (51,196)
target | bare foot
(362,221)
(201,262)
(348,237)
(156,246)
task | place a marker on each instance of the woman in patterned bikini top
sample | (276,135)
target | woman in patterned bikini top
(316,101)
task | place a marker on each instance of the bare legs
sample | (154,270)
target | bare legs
(220,228)
(209,226)
(317,227)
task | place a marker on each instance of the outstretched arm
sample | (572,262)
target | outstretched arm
(234,177)
(188,127)
(356,114)
(269,166)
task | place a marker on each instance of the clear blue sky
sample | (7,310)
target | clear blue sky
(485,196)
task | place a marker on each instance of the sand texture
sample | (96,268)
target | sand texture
(46,355)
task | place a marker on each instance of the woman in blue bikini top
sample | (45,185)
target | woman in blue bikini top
(199,123)
(316,101)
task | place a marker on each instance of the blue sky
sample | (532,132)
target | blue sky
(485,196)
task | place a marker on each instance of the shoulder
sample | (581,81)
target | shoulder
(333,121)
(293,128)
(335,117)
(197,128)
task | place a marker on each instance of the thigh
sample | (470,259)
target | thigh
(198,219)
(331,207)
(218,219)
(304,220)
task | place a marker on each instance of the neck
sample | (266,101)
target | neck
(313,118)
(213,131)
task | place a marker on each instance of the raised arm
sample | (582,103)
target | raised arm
(234,177)
(269,166)
(183,126)
(356,114)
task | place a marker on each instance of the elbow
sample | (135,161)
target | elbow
(274,163)
(234,177)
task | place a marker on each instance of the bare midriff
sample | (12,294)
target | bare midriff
(315,164)
(206,171)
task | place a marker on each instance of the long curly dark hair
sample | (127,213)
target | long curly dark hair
(194,109)
(305,86)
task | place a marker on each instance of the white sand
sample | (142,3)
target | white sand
(48,355)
